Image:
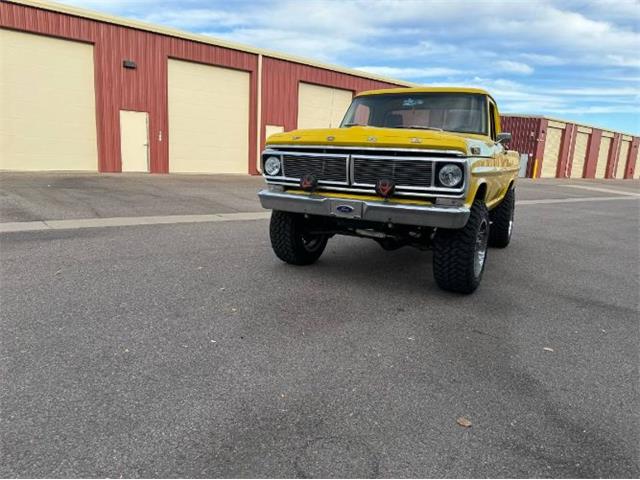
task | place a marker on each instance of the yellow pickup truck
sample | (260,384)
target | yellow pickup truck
(421,167)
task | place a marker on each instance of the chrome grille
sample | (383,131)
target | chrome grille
(404,172)
(324,168)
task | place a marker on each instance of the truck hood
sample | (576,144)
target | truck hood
(377,137)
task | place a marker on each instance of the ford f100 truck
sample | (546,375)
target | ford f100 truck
(421,167)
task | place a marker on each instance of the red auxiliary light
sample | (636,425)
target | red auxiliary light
(308,183)
(385,187)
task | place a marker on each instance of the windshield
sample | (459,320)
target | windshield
(453,112)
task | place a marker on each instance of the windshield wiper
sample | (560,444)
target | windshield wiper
(420,127)
(353,125)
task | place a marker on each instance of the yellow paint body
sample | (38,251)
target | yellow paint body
(495,167)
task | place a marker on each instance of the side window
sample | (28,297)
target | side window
(492,119)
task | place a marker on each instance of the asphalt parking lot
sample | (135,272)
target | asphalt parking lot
(189,350)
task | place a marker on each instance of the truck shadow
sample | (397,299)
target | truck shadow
(362,263)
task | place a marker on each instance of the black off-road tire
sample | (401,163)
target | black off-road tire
(502,221)
(291,243)
(454,252)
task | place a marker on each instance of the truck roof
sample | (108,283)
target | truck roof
(410,90)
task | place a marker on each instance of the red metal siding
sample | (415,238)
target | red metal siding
(525,137)
(566,149)
(612,157)
(280,81)
(142,89)
(632,158)
(593,148)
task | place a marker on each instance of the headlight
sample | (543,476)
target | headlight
(450,175)
(272,166)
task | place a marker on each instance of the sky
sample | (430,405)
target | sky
(573,59)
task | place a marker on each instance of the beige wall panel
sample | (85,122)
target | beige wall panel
(556,124)
(321,107)
(208,119)
(608,134)
(47,104)
(579,155)
(622,158)
(551,152)
(603,155)
(272,130)
(582,129)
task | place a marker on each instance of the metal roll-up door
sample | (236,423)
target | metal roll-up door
(551,152)
(603,156)
(579,155)
(208,118)
(321,107)
(47,103)
(622,158)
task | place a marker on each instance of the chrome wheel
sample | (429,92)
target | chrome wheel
(511,222)
(480,255)
(312,242)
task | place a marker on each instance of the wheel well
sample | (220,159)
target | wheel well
(481,193)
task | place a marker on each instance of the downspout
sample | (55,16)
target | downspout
(259,116)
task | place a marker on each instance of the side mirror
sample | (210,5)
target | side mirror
(503,138)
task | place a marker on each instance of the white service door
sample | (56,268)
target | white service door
(134,141)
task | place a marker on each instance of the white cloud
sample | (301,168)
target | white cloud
(411,72)
(541,59)
(514,67)
(564,54)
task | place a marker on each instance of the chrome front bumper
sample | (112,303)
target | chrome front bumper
(316,204)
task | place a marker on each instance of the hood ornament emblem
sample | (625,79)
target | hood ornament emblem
(416,140)
(331,138)
(372,139)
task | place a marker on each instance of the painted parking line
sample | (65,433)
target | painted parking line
(574,200)
(128,221)
(604,190)
(12,227)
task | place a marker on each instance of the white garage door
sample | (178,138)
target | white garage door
(47,104)
(551,152)
(579,155)
(208,119)
(603,157)
(321,107)
(622,158)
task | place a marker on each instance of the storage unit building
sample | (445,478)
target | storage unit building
(564,149)
(84,91)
